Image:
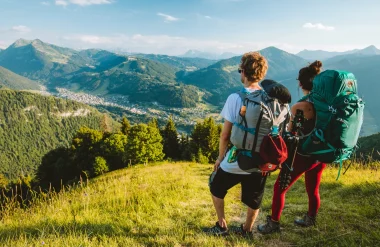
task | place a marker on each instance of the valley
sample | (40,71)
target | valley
(145,86)
(184,117)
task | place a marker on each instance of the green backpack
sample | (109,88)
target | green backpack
(339,117)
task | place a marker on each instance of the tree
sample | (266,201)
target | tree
(125,126)
(57,166)
(170,140)
(100,166)
(184,147)
(86,145)
(205,137)
(144,144)
(113,149)
(105,124)
(154,123)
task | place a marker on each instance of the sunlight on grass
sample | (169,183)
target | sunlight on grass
(168,204)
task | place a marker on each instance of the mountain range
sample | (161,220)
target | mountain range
(40,61)
(222,78)
(173,81)
(324,55)
(208,55)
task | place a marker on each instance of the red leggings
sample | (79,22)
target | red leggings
(313,173)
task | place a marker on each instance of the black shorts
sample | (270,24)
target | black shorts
(252,186)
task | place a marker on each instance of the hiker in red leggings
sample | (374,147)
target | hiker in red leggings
(302,164)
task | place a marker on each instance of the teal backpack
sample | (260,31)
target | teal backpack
(339,117)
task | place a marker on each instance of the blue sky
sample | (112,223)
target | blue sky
(175,26)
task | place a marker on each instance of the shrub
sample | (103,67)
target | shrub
(100,166)
(200,158)
(3,181)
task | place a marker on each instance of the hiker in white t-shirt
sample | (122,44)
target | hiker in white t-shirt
(253,68)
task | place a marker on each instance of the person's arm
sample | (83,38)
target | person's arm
(223,142)
(306,107)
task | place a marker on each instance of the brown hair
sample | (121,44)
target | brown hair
(307,74)
(255,66)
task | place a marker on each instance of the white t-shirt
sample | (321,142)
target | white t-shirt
(230,113)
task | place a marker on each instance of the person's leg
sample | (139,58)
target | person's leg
(221,183)
(219,208)
(312,181)
(300,165)
(251,218)
(253,187)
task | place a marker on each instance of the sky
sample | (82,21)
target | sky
(174,26)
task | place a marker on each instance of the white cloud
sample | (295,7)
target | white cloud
(89,2)
(81,2)
(158,44)
(318,26)
(208,17)
(61,3)
(168,18)
(92,39)
(21,29)
(45,3)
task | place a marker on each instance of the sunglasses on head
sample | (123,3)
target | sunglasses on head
(240,70)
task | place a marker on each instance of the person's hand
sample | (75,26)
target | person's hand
(217,164)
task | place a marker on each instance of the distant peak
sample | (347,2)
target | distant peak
(192,52)
(272,49)
(370,50)
(37,41)
(24,42)
(21,42)
(371,47)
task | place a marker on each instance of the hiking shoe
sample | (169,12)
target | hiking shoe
(239,230)
(306,221)
(216,230)
(270,227)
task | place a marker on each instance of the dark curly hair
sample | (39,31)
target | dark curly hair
(255,66)
(307,74)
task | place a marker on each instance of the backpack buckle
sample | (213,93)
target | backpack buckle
(274,131)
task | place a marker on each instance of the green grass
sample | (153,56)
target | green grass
(168,204)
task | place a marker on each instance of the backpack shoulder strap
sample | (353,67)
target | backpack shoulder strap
(243,95)
(305,98)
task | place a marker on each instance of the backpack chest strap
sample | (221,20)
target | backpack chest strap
(249,130)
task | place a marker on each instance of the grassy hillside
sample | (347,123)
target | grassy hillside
(13,81)
(168,204)
(31,125)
